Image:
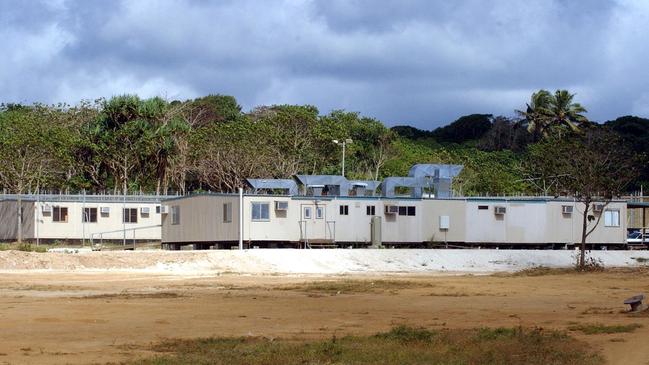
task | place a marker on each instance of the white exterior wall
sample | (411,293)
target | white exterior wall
(355,227)
(525,221)
(537,222)
(401,228)
(602,233)
(432,210)
(281,225)
(75,229)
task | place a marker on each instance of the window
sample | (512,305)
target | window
(89,215)
(227,212)
(612,218)
(344,209)
(260,211)
(60,214)
(307,212)
(370,210)
(319,212)
(157,209)
(407,210)
(129,215)
(483,207)
(175,214)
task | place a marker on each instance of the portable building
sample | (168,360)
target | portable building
(221,220)
(81,217)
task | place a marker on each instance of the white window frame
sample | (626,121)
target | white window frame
(319,212)
(611,218)
(261,217)
(306,213)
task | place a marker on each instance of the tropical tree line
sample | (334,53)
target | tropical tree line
(134,145)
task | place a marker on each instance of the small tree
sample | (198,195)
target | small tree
(593,167)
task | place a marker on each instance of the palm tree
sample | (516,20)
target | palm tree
(546,111)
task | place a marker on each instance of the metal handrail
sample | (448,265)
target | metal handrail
(133,229)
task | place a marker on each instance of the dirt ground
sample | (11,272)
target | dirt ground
(81,318)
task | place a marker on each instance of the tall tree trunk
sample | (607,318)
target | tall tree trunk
(584,226)
(20,218)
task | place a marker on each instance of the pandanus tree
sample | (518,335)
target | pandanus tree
(546,111)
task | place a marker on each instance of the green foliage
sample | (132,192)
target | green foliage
(126,143)
(407,334)
(25,247)
(402,345)
(546,112)
(635,132)
(466,128)
(598,329)
(409,132)
(496,173)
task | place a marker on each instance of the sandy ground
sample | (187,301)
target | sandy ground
(84,317)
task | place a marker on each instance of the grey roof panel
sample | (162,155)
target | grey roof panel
(284,184)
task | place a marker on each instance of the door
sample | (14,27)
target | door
(314,222)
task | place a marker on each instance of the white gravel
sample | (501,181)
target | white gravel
(288,261)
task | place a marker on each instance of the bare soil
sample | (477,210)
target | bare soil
(81,318)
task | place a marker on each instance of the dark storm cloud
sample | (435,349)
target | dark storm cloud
(417,62)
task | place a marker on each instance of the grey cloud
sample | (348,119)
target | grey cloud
(419,62)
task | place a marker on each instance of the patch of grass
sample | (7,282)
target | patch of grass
(348,286)
(26,247)
(161,295)
(449,294)
(407,334)
(542,271)
(399,346)
(598,310)
(598,329)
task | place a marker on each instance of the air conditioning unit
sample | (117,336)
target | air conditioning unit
(597,208)
(164,209)
(391,209)
(47,209)
(145,210)
(566,209)
(281,205)
(104,210)
(500,210)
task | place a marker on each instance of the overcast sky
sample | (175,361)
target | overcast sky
(422,63)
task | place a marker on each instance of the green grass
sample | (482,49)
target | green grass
(400,346)
(597,329)
(355,286)
(26,247)
(542,271)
